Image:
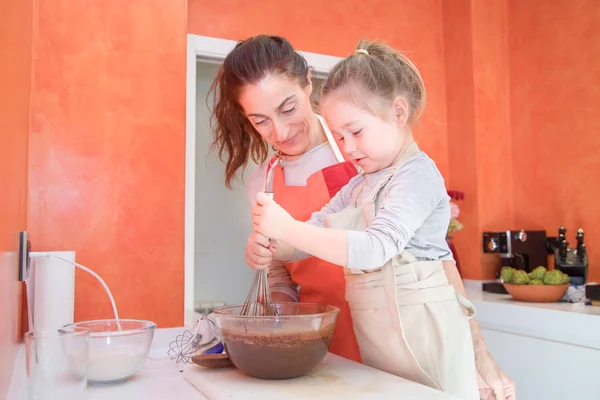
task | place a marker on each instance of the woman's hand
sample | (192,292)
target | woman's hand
(493,383)
(258,255)
(269,218)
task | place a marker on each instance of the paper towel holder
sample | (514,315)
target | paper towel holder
(24,258)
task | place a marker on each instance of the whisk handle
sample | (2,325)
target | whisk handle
(271,196)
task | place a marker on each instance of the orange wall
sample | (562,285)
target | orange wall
(107,143)
(413,26)
(484,68)
(555,123)
(521,94)
(492,123)
(15,80)
(107,150)
(479,138)
(462,148)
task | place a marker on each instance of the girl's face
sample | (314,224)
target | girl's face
(372,141)
(280,111)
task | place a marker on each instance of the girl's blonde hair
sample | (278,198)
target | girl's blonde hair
(379,69)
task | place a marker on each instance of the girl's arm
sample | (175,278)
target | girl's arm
(327,244)
(412,195)
(292,249)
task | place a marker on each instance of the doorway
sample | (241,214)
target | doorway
(217,219)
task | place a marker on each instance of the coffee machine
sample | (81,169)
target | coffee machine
(528,249)
(521,249)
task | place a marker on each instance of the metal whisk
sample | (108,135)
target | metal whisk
(259,301)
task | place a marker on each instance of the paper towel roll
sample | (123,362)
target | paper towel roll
(53,289)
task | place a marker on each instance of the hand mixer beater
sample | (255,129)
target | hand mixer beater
(259,301)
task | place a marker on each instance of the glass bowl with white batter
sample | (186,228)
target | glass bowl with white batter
(117,349)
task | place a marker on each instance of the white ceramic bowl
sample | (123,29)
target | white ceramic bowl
(116,352)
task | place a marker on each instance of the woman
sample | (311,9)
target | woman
(262,95)
(263,98)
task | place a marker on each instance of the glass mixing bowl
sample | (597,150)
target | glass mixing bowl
(277,347)
(115,354)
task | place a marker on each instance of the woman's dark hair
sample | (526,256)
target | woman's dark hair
(248,63)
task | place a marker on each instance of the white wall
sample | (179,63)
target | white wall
(222,215)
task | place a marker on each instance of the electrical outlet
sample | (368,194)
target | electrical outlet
(24,259)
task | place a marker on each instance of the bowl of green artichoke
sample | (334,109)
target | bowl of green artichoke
(538,286)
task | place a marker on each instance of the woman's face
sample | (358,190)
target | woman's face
(280,111)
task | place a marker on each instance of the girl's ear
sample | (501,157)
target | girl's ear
(401,110)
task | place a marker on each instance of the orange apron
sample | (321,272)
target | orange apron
(320,281)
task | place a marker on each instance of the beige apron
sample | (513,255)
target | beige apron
(407,318)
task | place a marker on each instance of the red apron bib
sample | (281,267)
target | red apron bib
(320,281)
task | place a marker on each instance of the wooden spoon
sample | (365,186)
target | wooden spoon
(212,360)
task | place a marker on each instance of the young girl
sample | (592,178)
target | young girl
(387,226)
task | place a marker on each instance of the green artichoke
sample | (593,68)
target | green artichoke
(538,273)
(506,274)
(520,277)
(554,277)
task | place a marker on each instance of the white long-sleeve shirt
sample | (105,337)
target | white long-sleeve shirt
(413,214)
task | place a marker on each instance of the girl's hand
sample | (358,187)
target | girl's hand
(269,218)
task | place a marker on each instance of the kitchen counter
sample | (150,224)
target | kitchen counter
(568,323)
(550,350)
(161,378)
(532,342)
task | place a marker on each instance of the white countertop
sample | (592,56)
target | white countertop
(568,323)
(161,378)
(335,378)
(475,293)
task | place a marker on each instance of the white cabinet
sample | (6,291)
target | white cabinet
(550,350)
(544,369)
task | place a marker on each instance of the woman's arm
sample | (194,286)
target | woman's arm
(490,376)
(283,288)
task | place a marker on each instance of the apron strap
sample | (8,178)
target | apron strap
(331,140)
(268,183)
(276,159)
(466,304)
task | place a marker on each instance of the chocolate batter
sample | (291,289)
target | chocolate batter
(278,355)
